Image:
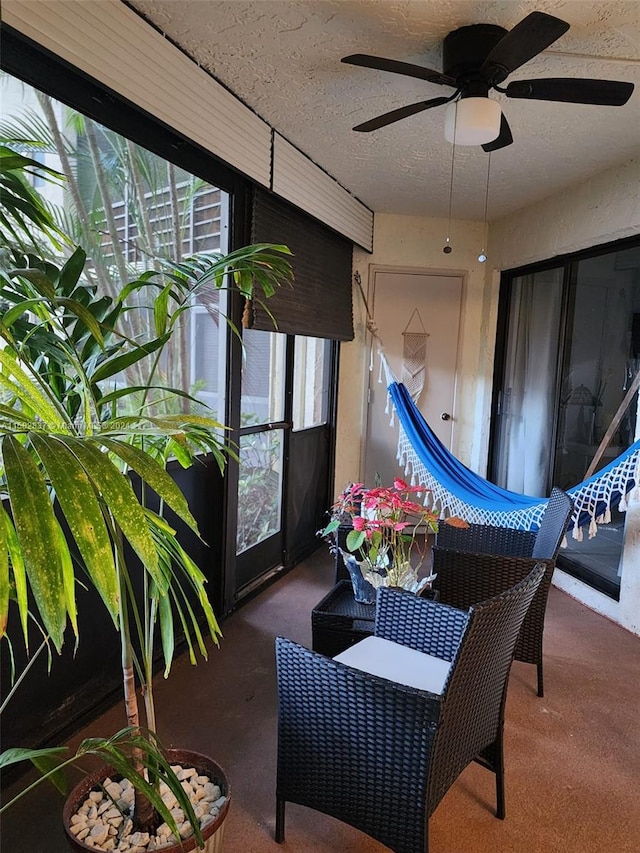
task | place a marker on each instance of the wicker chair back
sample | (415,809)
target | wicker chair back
(478,562)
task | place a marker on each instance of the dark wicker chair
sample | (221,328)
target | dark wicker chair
(380,755)
(475,563)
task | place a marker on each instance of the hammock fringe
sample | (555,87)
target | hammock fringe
(456,490)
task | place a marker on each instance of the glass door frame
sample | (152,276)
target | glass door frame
(269,551)
(272,553)
(570,262)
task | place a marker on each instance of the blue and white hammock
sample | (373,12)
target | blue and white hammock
(456,490)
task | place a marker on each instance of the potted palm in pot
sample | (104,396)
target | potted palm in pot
(72,435)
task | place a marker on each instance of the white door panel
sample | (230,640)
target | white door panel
(393,298)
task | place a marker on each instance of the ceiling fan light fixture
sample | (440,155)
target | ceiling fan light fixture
(472,121)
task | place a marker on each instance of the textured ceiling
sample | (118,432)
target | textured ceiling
(282,58)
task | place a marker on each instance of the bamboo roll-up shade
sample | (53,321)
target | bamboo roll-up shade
(319,302)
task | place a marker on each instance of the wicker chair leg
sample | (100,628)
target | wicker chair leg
(540,680)
(499,771)
(279,833)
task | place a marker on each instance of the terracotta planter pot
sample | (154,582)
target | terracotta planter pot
(212,833)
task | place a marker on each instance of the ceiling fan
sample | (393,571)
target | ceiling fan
(479,58)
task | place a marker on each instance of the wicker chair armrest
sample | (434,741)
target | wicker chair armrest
(463,579)
(339,682)
(321,687)
(487,539)
(419,623)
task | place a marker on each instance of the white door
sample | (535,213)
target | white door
(419,300)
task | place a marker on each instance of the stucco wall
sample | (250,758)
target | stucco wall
(404,241)
(604,209)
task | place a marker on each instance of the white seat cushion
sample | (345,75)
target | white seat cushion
(397,663)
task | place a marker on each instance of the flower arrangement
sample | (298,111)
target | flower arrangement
(386,522)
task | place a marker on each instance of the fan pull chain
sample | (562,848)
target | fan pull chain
(482,257)
(447,247)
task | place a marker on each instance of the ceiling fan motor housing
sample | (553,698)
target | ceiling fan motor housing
(478,58)
(465,49)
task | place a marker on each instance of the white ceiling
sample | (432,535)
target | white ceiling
(282,58)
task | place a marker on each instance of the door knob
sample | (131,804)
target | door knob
(445,416)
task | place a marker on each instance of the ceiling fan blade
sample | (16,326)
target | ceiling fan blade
(402,112)
(527,39)
(407,68)
(503,139)
(612,93)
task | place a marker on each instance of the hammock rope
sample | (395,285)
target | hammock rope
(457,490)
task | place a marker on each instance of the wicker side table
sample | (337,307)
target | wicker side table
(339,621)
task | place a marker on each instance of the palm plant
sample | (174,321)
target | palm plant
(104,174)
(70,436)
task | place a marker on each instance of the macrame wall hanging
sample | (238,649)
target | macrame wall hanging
(414,356)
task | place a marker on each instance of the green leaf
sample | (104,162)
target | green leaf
(19,571)
(177,562)
(124,765)
(39,280)
(69,582)
(18,383)
(72,270)
(112,752)
(49,762)
(22,206)
(15,754)
(161,310)
(38,534)
(19,309)
(184,421)
(121,500)
(333,525)
(4,579)
(78,500)
(77,308)
(118,393)
(118,363)
(165,616)
(13,160)
(154,474)
(197,579)
(194,626)
(355,538)
(181,453)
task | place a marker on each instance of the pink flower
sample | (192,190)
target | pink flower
(391,520)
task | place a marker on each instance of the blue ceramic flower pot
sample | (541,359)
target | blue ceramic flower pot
(363,591)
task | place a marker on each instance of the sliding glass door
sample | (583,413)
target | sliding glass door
(570,350)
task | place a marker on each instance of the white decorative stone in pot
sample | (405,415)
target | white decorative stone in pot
(95,822)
